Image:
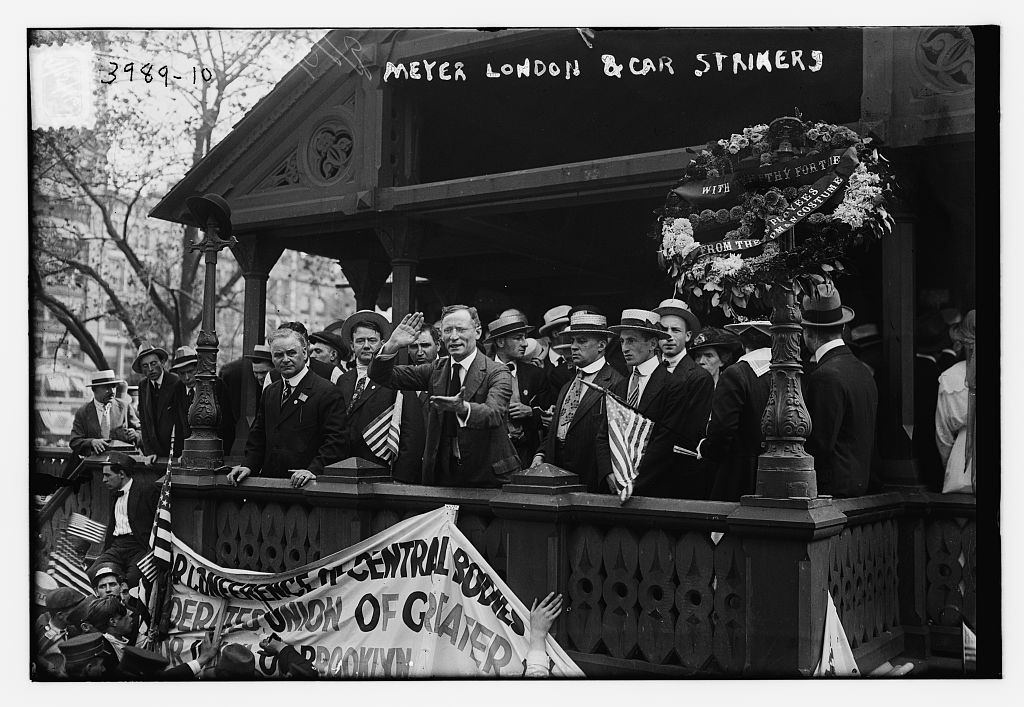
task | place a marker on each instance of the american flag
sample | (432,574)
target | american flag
(67,567)
(160,537)
(147,566)
(628,433)
(382,434)
(86,528)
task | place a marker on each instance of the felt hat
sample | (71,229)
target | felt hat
(365,315)
(825,308)
(105,569)
(184,356)
(139,663)
(236,663)
(125,462)
(260,352)
(63,598)
(503,326)
(83,648)
(586,322)
(329,338)
(679,309)
(43,585)
(554,318)
(104,377)
(207,205)
(641,320)
(865,335)
(713,337)
(145,350)
(761,325)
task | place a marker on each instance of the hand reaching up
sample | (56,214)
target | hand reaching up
(407,331)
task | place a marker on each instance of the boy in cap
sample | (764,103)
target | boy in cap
(132,508)
(54,626)
(841,398)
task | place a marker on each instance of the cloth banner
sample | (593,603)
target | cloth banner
(836,654)
(415,600)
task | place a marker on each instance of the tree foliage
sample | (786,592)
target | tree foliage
(92,188)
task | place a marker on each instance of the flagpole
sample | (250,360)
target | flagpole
(676,448)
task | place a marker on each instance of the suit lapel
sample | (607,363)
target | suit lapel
(371,390)
(474,376)
(653,387)
(591,396)
(294,403)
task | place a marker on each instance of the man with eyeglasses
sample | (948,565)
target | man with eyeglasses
(467,442)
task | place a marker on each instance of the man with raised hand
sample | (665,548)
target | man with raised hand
(300,422)
(467,442)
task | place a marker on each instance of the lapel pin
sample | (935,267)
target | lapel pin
(302,398)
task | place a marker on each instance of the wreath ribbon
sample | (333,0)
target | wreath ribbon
(803,206)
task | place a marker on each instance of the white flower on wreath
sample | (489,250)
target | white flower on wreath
(677,238)
(862,194)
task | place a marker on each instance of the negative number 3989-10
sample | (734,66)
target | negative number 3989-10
(144,72)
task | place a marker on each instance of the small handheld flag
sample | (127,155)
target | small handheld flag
(67,568)
(628,434)
(383,433)
(86,528)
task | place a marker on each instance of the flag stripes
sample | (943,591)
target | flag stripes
(628,434)
(382,434)
(67,568)
(86,528)
(161,534)
(147,566)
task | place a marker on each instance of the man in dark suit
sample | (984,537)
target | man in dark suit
(186,365)
(733,442)
(132,508)
(657,395)
(579,411)
(557,367)
(159,403)
(698,386)
(101,419)
(366,401)
(327,371)
(300,422)
(328,347)
(841,398)
(467,441)
(530,389)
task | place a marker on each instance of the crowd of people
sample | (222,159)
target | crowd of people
(475,404)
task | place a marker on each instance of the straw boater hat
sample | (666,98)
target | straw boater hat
(585,322)
(145,350)
(365,315)
(554,318)
(715,338)
(184,356)
(202,207)
(105,377)
(260,352)
(44,585)
(680,309)
(641,320)
(761,325)
(825,308)
(503,326)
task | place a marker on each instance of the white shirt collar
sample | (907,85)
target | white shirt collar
(759,360)
(673,361)
(826,347)
(100,407)
(553,356)
(361,371)
(593,368)
(127,486)
(468,361)
(647,367)
(159,381)
(297,378)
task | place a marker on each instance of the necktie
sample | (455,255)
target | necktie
(454,385)
(286,391)
(105,422)
(569,405)
(634,389)
(360,387)
(515,383)
(118,494)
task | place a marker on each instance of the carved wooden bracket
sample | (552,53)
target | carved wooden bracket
(256,256)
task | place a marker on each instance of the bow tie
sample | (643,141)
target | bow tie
(118,494)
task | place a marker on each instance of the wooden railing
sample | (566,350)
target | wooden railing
(651,587)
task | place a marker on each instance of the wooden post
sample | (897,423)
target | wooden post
(534,509)
(896,403)
(367,276)
(401,239)
(257,259)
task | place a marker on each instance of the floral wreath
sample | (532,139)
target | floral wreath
(722,225)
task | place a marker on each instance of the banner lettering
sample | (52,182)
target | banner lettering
(415,600)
